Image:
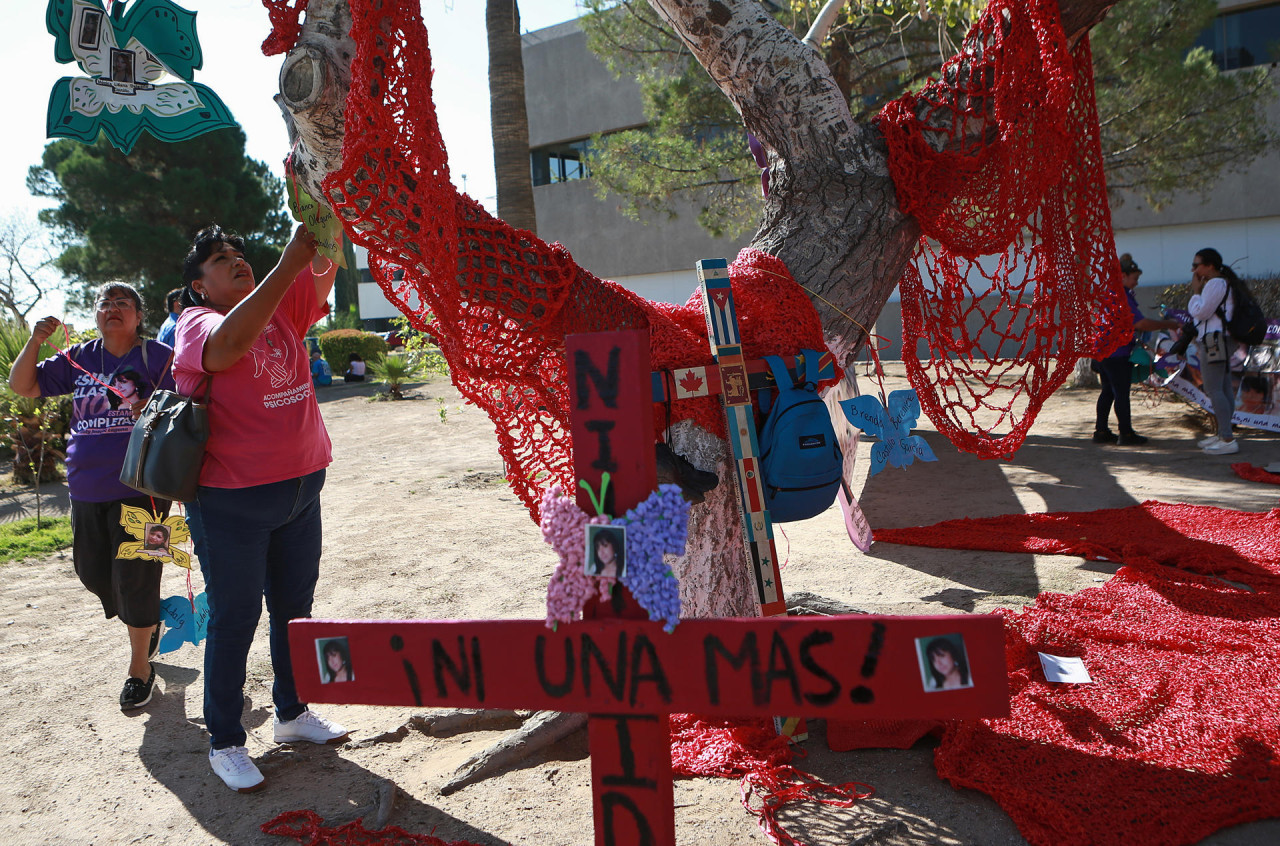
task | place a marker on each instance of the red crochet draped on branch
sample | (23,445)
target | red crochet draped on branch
(1000,162)
(499,301)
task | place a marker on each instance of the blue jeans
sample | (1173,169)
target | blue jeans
(262,540)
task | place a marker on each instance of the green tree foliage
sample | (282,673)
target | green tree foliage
(132,217)
(1170,120)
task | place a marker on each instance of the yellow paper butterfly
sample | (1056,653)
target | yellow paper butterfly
(156,539)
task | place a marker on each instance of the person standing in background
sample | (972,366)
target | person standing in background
(173,300)
(1211,306)
(1116,371)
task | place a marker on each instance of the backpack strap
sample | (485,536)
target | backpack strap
(1221,310)
(781,375)
(812,366)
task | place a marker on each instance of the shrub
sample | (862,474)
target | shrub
(338,345)
(395,371)
(420,349)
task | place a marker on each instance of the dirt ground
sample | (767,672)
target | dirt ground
(420,524)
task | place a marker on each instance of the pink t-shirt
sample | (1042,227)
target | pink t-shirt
(264,422)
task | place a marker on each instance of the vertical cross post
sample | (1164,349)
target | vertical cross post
(740,429)
(740,426)
(612,423)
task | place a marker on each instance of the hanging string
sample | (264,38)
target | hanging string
(76,364)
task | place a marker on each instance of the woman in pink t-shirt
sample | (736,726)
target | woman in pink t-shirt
(256,516)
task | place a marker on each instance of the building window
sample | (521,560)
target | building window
(560,162)
(1245,38)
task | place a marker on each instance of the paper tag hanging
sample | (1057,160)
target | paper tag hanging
(185,621)
(155,538)
(125,55)
(319,219)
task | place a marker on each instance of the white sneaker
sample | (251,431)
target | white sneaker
(308,726)
(235,768)
(1208,442)
(1223,448)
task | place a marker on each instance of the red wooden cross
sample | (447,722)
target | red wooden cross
(627,672)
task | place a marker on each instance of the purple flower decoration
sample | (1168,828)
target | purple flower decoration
(656,527)
(893,427)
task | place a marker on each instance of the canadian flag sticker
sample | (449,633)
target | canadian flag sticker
(691,382)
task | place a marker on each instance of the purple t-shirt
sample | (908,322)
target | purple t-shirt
(100,420)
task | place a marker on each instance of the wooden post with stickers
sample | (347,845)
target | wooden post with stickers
(627,671)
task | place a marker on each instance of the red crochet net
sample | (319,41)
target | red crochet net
(498,300)
(1179,733)
(1000,162)
(286,17)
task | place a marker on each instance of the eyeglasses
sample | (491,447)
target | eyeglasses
(121,303)
(1196,264)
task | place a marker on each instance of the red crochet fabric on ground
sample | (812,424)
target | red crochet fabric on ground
(305,827)
(1178,735)
(754,750)
(1000,157)
(1200,538)
(1253,473)
(498,300)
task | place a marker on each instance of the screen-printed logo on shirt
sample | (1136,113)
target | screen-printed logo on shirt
(272,356)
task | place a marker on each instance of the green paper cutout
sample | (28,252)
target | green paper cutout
(124,53)
(598,502)
(319,220)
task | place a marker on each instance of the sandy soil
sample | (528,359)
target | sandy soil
(419,524)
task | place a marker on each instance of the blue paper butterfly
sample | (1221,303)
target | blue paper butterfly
(181,624)
(893,427)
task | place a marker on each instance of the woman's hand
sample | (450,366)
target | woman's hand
(300,250)
(43,329)
(22,375)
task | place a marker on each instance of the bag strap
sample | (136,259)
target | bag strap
(781,375)
(206,386)
(812,365)
(1221,310)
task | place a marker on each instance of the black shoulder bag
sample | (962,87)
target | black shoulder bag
(166,446)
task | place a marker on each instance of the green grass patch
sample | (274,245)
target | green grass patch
(21,539)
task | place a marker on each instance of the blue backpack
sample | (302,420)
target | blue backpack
(800,460)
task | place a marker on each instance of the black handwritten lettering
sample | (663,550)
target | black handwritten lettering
(643,652)
(475,662)
(604,459)
(781,668)
(615,681)
(807,645)
(713,648)
(627,754)
(606,385)
(862,694)
(612,798)
(441,662)
(540,663)
(397,644)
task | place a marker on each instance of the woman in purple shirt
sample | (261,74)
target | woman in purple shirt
(128,588)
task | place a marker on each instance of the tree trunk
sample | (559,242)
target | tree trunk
(832,214)
(508,120)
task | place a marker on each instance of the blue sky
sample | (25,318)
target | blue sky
(231,32)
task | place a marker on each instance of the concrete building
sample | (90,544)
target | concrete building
(571,95)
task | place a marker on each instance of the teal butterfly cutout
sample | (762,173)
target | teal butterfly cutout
(124,53)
